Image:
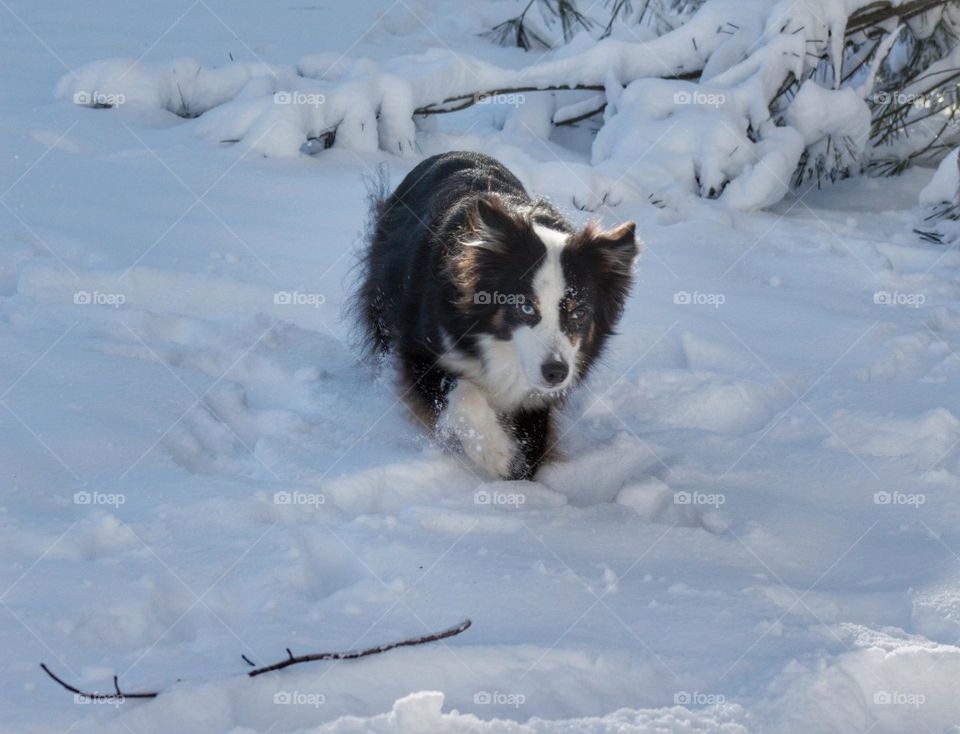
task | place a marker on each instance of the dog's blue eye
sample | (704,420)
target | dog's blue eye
(527,309)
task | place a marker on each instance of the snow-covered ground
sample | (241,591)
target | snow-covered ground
(755,528)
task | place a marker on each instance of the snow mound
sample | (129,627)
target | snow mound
(872,687)
(945,183)
(599,475)
(695,134)
(182,86)
(366,114)
(277,109)
(706,401)
(423,711)
(927,438)
(936,612)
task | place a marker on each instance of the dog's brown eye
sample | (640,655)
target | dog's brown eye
(579,313)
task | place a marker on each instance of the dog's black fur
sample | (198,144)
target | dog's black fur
(460,224)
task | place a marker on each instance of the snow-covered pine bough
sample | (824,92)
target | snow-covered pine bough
(493,305)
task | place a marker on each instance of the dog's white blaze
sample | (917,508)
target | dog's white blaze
(546,341)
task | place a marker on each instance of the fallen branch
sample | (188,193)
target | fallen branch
(468,100)
(861,20)
(581,117)
(119,696)
(353,654)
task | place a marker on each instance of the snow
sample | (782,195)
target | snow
(817,112)
(753,524)
(945,183)
(278,110)
(182,86)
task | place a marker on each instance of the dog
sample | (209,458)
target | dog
(493,305)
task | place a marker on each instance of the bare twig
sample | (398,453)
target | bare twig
(353,654)
(119,696)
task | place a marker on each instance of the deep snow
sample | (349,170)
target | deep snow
(754,530)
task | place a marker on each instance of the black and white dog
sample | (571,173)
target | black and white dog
(494,306)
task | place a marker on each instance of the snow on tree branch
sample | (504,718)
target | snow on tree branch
(740,101)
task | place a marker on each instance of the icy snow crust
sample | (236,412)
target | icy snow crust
(754,529)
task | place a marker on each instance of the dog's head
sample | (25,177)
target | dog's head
(545,298)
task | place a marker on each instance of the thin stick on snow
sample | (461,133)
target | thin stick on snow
(119,696)
(353,654)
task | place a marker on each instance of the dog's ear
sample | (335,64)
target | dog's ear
(618,246)
(491,222)
(609,255)
(488,228)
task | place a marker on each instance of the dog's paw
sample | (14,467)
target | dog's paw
(492,450)
(470,418)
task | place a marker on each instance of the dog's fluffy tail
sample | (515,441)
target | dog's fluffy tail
(365,308)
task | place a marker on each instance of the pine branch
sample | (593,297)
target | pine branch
(618,7)
(514,32)
(570,17)
(895,120)
(877,12)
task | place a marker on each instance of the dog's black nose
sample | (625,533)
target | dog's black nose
(555,372)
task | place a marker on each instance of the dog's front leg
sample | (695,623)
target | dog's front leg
(470,417)
(426,386)
(531,429)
